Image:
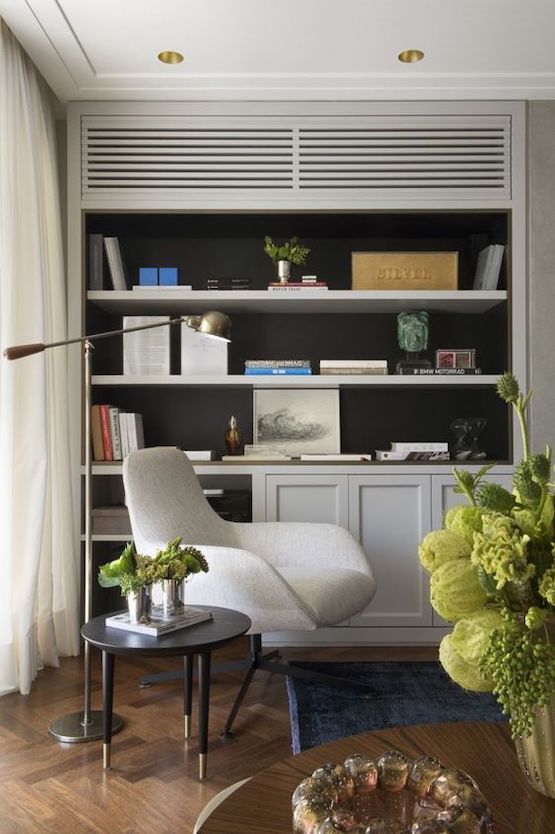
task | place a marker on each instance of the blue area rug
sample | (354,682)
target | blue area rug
(400,694)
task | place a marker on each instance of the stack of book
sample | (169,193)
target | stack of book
(414,451)
(488,267)
(257,451)
(307,282)
(115,433)
(361,367)
(228,284)
(159,624)
(278,367)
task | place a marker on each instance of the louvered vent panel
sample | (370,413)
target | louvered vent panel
(174,159)
(288,158)
(419,157)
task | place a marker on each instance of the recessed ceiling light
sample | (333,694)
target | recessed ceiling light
(410,56)
(169,57)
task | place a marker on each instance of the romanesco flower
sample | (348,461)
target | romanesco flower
(547,585)
(501,551)
(464,520)
(455,590)
(442,546)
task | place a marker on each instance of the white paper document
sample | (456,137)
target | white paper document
(146,352)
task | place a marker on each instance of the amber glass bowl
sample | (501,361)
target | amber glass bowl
(390,795)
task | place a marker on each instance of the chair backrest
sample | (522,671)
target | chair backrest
(165,500)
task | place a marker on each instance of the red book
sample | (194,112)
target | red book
(106,432)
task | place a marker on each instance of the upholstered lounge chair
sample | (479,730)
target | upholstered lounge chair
(284,576)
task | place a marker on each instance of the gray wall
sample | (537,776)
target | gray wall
(541,219)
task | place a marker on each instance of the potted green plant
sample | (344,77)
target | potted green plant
(290,252)
(492,572)
(171,566)
(134,584)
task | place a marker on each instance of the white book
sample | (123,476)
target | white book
(200,454)
(139,431)
(115,432)
(248,458)
(346,457)
(419,447)
(305,288)
(413,454)
(353,363)
(159,625)
(146,352)
(123,434)
(202,355)
(159,287)
(493,269)
(115,263)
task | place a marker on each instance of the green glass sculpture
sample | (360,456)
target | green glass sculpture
(412,335)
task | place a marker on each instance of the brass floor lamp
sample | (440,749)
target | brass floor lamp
(86,725)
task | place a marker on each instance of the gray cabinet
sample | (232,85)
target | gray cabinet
(318,498)
(389,514)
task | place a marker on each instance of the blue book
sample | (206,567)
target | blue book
(278,371)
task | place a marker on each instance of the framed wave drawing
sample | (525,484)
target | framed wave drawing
(297,421)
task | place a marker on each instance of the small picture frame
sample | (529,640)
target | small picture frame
(456,358)
(297,421)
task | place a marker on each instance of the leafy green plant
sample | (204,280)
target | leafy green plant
(502,640)
(291,251)
(132,571)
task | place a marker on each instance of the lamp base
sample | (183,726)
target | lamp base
(70,728)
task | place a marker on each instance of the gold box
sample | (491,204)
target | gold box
(405,270)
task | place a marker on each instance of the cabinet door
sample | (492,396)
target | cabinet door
(319,498)
(443,498)
(389,515)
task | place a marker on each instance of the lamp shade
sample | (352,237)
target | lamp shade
(212,323)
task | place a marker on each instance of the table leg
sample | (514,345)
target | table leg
(107,704)
(188,692)
(203,702)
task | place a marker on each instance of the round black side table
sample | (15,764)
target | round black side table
(225,626)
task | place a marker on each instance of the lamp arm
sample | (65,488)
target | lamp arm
(19,351)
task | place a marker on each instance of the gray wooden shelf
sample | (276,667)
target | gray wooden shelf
(174,302)
(314,381)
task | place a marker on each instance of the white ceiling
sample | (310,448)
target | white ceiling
(289,49)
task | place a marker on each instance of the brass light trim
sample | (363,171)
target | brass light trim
(410,56)
(169,57)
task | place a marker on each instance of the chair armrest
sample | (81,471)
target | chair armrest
(246,582)
(295,544)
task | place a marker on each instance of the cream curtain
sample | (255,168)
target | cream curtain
(39,598)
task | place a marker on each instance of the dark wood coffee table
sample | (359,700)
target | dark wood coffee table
(485,751)
(225,626)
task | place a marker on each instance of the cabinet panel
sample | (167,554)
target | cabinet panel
(317,498)
(389,515)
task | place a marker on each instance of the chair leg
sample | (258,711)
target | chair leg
(255,654)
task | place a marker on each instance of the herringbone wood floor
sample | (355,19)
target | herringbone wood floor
(152,787)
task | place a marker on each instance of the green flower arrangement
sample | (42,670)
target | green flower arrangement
(291,251)
(131,571)
(492,571)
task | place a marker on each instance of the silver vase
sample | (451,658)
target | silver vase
(139,605)
(173,596)
(284,271)
(536,752)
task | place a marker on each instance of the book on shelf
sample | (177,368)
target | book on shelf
(96,262)
(439,371)
(135,432)
(488,267)
(200,454)
(341,457)
(96,434)
(268,371)
(115,433)
(202,355)
(417,446)
(252,457)
(388,454)
(277,363)
(353,363)
(159,625)
(146,352)
(159,287)
(106,432)
(227,284)
(259,449)
(116,263)
(353,371)
(308,287)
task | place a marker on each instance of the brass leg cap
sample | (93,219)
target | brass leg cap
(202,766)
(106,756)
(188,725)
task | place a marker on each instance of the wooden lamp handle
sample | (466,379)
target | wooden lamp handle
(19,351)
